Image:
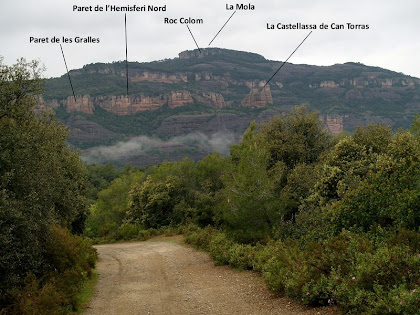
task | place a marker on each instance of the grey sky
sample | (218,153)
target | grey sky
(392,41)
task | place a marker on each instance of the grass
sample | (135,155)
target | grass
(86,294)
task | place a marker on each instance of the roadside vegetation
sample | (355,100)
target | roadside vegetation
(43,203)
(326,220)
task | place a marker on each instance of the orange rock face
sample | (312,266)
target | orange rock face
(122,105)
(159,77)
(82,104)
(214,99)
(179,98)
(258,97)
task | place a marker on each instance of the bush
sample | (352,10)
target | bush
(358,272)
(199,238)
(71,260)
(36,299)
(241,256)
(66,252)
(349,270)
(128,231)
(219,248)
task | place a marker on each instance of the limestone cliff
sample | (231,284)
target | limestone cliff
(119,105)
(211,98)
(371,81)
(179,98)
(258,97)
(230,81)
(161,77)
(197,54)
(334,123)
(122,105)
(329,84)
(82,104)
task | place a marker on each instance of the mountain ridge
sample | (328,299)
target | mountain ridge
(220,81)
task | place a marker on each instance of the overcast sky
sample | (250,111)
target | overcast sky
(392,41)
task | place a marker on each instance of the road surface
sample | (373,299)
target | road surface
(162,276)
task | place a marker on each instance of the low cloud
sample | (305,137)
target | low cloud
(141,145)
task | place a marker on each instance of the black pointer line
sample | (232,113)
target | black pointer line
(288,58)
(222,28)
(193,38)
(126,50)
(68,73)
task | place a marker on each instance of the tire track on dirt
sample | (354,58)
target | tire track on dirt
(161,276)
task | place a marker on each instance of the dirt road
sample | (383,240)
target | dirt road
(161,276)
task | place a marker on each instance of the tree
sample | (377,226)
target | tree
(152,203)
(296,138)
(349,161)
(389,195)
(249,206)
(42,181)
(111,208)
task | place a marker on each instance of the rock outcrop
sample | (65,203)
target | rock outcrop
(334,123)
(160,77)
(198,54)
(258,97)
(179,98)
(122,105)
(329,84)
(211,98)
(81,104)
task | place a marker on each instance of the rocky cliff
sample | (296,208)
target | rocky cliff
(221,89)
(180,98)
(258,97)
(123,105)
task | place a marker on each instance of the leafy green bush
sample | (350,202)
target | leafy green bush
(128,231)
(241,256)
(71,260)
(219,248)
(200,238)
(36,299)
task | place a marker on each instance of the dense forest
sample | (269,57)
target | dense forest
(326,220)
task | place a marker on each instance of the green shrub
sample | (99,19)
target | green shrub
(34,299)
(71,260)
(107,229)
(219,248)
(128,231)
(241,256)
(199,238)
(378,276)
(149,233)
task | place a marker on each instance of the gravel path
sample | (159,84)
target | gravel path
(161,276)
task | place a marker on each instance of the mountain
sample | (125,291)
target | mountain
(219,91)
